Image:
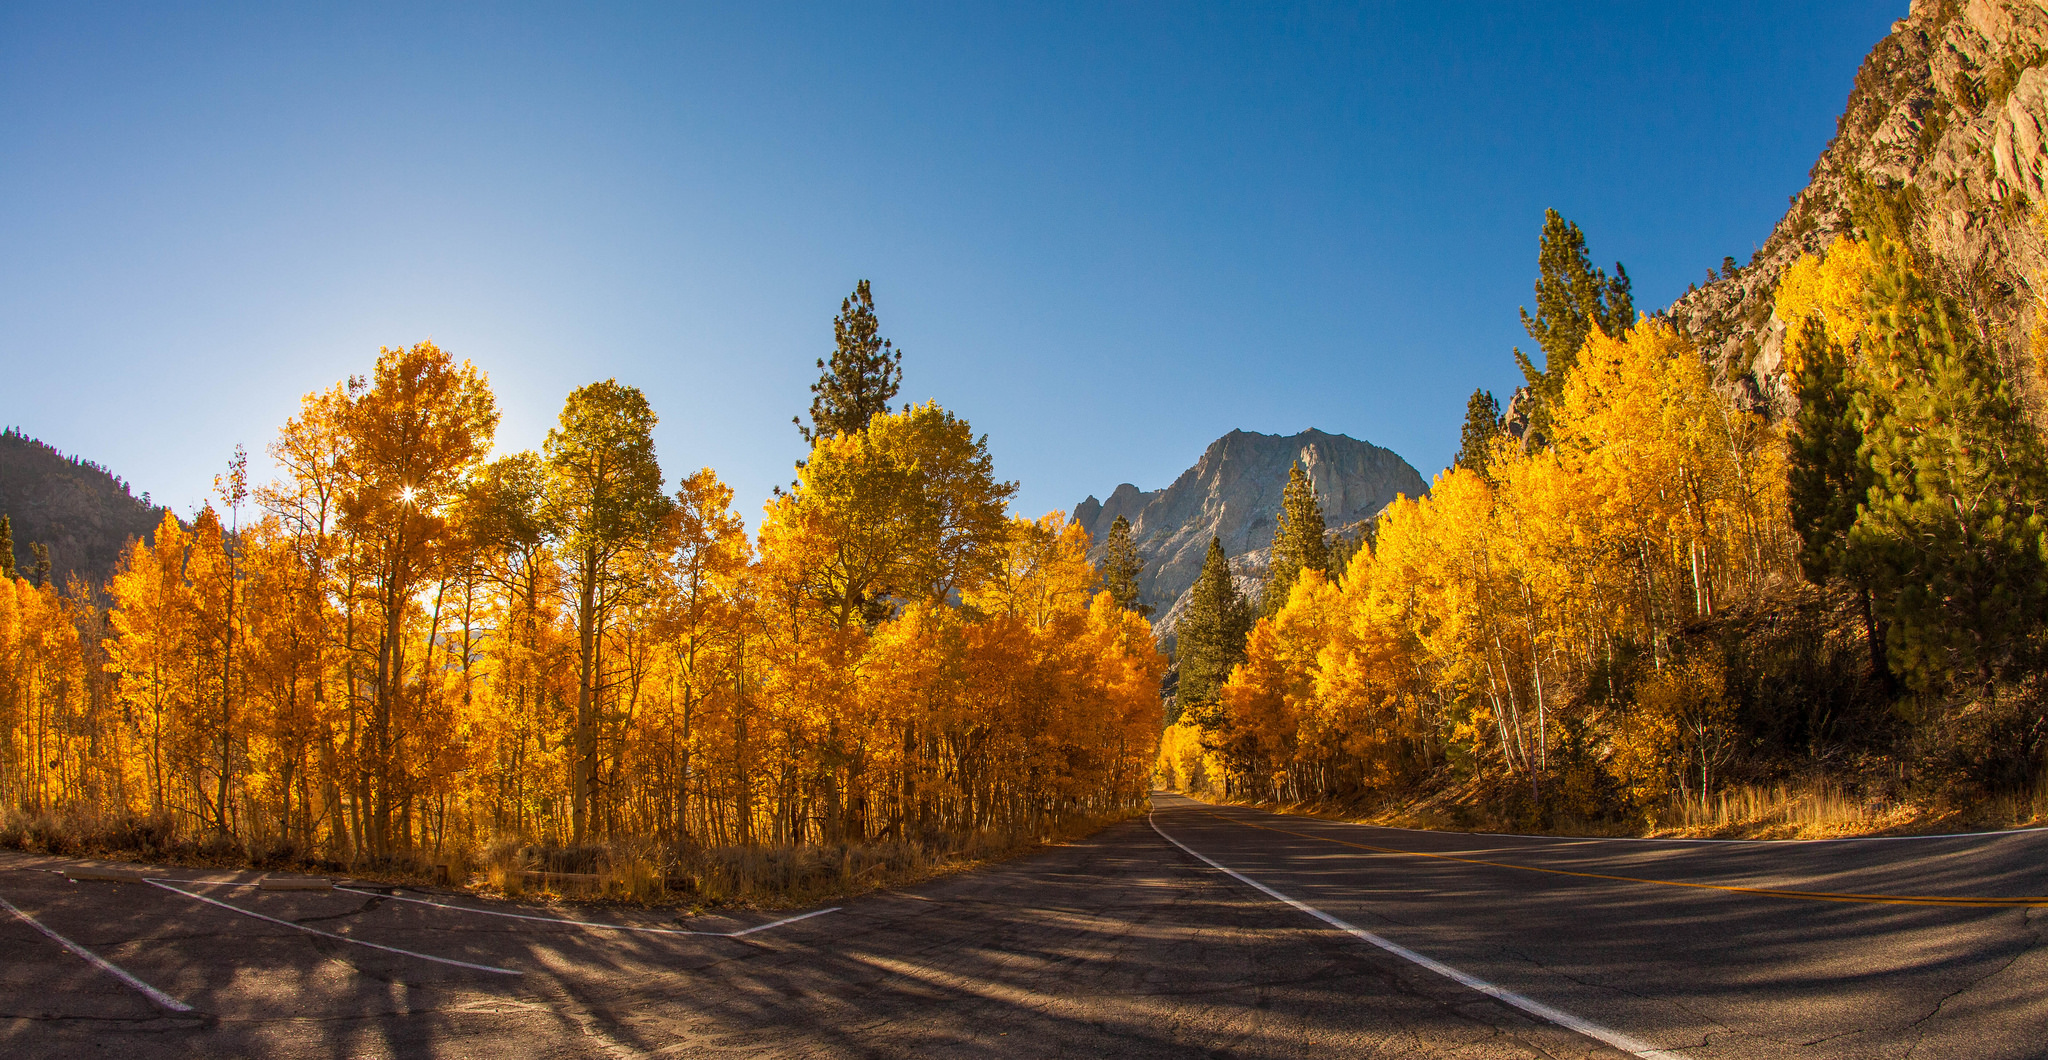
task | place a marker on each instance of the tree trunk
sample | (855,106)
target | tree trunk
(585,751)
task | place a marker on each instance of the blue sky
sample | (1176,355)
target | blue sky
(1104,233)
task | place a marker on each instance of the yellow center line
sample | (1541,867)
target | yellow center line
(1767,892)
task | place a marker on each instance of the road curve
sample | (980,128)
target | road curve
(1133,943)
(1926,947)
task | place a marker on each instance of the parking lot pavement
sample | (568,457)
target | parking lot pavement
(1110,946)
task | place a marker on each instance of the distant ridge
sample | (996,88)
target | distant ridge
(83,512)
(1233,493)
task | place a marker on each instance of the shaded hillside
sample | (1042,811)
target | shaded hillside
(80,510)
(1233,493)
(1952,106)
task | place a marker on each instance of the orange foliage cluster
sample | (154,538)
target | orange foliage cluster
(1491,627)
(402,648)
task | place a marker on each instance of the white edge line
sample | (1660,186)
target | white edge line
(94,959)
(779,923)
(1629,838)
(332,935)
(591,924)
(1535,1008)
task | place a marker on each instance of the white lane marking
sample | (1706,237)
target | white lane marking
(1631,838)
(332,935)
(594,925)
(94,959)
(779,923)
(1535,1008)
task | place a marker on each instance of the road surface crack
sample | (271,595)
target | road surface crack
(2028,920)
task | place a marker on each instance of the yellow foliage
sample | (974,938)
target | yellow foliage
(905,510)
(1269,700)
(1676,733)
(1184,764)
(1830,285)
(1042,569)
(1471,628)
(397,658)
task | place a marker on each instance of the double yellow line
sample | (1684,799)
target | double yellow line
(1766,892)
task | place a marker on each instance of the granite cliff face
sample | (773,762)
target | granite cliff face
(1233,493)
(1953,106)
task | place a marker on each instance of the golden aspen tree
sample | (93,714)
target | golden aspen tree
(284,654)
(311,451)
(409,652)
(603,503)
(910,507)
(1268,695)
(417,429)
(152,647)
(1043,569)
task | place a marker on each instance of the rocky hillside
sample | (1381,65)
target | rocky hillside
(1233,493)
(1953,106)
(80,510)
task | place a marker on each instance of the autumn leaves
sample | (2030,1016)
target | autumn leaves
(413,649)
(1476,630)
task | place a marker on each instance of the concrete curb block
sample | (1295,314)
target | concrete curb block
(269,884)
(102,875)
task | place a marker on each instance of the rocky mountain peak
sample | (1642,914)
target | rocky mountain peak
(1233,493)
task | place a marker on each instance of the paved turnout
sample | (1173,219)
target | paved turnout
(1169,938)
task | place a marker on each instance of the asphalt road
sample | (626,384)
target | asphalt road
(1128,945)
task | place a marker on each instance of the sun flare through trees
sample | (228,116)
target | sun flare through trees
(402,648)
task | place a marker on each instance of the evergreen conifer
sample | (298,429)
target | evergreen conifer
(1572,299)
(1482,426)
(1209,639)
(1298,544)
(862,377)
(1120,567)
(6,547)
(39,572)
(1827,477)
(1952,538)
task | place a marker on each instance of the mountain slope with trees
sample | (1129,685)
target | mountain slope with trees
(1764,561)
(83,514)
(1951,111)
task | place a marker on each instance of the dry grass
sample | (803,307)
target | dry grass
(164,841)
(636,879)
(1811,810)
(633,872)
(1783,811)
(777,876)
(1824,810)
(761,876)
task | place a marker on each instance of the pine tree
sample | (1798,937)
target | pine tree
(1210,637)
(862,377)
(1827,477)
(1826,480)
(1345,547)
(1482,426)
(1573,299)
(6,547)
(1952,538)
(1120,567)
(1298,544)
